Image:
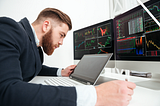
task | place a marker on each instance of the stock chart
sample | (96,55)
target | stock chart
(95,39)
(150,25)
(137,35)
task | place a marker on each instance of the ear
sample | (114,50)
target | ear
(46,26)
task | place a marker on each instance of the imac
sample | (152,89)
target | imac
(137,41)
(94,39)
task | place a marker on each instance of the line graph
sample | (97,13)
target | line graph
(90,32)
(94,39)
(150,24)
(151,42)
(79,36)
(91,43)
(154,9)
(79,45)
(153,28)
(104,42)
(101,51)
(104,30)
(126,45)
(132,46)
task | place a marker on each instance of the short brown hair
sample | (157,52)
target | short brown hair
(55,14)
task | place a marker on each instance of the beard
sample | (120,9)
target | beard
(47,43)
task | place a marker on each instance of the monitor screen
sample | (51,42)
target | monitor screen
(137,36)
(94,39)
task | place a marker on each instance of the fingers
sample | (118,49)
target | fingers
(131,85)
(129,98)
(69,72)
(71,69)
(130,92)
(72,66)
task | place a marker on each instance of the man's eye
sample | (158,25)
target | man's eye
(62,35)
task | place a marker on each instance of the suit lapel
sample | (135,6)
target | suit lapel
(25,24)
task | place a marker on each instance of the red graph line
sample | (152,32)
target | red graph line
(126,38)
(103,31)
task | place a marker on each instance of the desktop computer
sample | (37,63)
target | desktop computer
(133,37)
(137,40)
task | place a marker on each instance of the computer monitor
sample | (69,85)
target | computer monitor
(137,39)
(94,39)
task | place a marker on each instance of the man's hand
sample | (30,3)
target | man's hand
(114,93)
(67,71)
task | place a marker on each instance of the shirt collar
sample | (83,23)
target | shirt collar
(35,36)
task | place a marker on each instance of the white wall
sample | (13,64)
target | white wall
(120,6)
(82,13)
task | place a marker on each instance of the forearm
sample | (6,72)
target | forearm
(20,93)
(48,71)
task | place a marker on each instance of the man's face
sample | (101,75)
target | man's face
(54,38)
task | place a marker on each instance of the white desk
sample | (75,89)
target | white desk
(142,96)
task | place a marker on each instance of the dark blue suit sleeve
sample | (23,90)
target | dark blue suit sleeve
(48,71)
(14,91)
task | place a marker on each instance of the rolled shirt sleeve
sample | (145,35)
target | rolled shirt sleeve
(86,95)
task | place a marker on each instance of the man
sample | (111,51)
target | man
(21,60)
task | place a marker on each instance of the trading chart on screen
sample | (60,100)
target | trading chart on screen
(137,36)
(94,39)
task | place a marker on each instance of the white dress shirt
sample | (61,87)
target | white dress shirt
(86,94)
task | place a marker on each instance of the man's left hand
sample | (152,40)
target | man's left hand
(67,71)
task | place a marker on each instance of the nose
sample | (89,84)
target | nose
(61,41)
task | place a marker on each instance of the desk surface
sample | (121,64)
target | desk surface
(142,96)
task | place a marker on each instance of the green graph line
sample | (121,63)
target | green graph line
(106,43)
(152,8)
(90,44)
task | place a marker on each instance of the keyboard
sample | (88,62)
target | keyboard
(62,81)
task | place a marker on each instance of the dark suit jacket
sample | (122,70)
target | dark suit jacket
(19,63)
